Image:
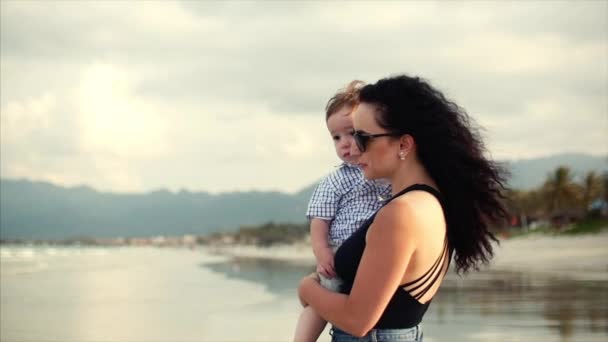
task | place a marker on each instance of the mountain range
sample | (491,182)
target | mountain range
(41,210)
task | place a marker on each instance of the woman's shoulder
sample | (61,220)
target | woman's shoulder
(419,200)
(412,211)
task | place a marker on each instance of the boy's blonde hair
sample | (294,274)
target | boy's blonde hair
(348,96)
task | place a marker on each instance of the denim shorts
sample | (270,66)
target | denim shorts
(380,335)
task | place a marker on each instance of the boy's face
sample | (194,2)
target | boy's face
(340,126)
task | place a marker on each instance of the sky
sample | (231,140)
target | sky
(134,96)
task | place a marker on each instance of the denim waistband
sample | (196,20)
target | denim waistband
(413,334)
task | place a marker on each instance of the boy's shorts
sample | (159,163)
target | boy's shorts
(334,283)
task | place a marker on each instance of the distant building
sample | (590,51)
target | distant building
(599,205)
(189,240)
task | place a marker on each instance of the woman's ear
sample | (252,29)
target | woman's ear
(406,143)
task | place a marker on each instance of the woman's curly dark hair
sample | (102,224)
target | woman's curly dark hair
(451,150)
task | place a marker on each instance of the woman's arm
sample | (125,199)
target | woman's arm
(390,244)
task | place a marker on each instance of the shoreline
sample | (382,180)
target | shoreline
(580,256)
(583,256)
(299,253)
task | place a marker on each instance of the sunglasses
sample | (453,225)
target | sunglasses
(362,139)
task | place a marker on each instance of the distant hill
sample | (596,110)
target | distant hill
(40,210)
(46,211)
(530,173)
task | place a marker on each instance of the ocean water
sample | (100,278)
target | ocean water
(152,294)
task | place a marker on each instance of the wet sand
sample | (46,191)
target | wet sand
(583,257)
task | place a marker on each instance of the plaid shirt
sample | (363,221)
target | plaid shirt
(347,199)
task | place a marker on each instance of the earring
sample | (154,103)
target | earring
(402,155)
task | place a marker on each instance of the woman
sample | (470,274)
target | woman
(446,194)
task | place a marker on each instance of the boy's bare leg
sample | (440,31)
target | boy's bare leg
(310,326)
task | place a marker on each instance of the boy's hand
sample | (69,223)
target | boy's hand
(325,263)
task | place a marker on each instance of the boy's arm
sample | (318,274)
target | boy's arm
(319,232)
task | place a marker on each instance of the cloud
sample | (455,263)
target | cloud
(116,122)
(230,95)
(117,141)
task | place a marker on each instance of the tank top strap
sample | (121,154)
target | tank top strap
(415,187)
(419,287)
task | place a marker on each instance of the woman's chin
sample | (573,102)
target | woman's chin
(350,159)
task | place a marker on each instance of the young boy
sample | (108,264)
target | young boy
(339,205)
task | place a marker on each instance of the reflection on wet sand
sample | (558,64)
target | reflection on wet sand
(278,276)
(539,304)
(568,306)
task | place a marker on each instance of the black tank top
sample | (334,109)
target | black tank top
(403,310)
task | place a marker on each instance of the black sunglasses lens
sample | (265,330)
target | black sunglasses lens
(361,141)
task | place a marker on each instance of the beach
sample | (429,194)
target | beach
(582,256)
(124,294)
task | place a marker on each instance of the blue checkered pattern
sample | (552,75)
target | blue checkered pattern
(347,199)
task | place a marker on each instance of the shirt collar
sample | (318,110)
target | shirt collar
(345,164)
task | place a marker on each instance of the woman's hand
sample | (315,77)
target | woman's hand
(311,277)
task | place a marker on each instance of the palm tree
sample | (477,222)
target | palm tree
(592,188)
(605,185)
(560,191)
(516,205)
(524,204)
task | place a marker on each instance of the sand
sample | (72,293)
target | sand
(584,256)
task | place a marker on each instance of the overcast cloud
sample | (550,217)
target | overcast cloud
(226,96)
